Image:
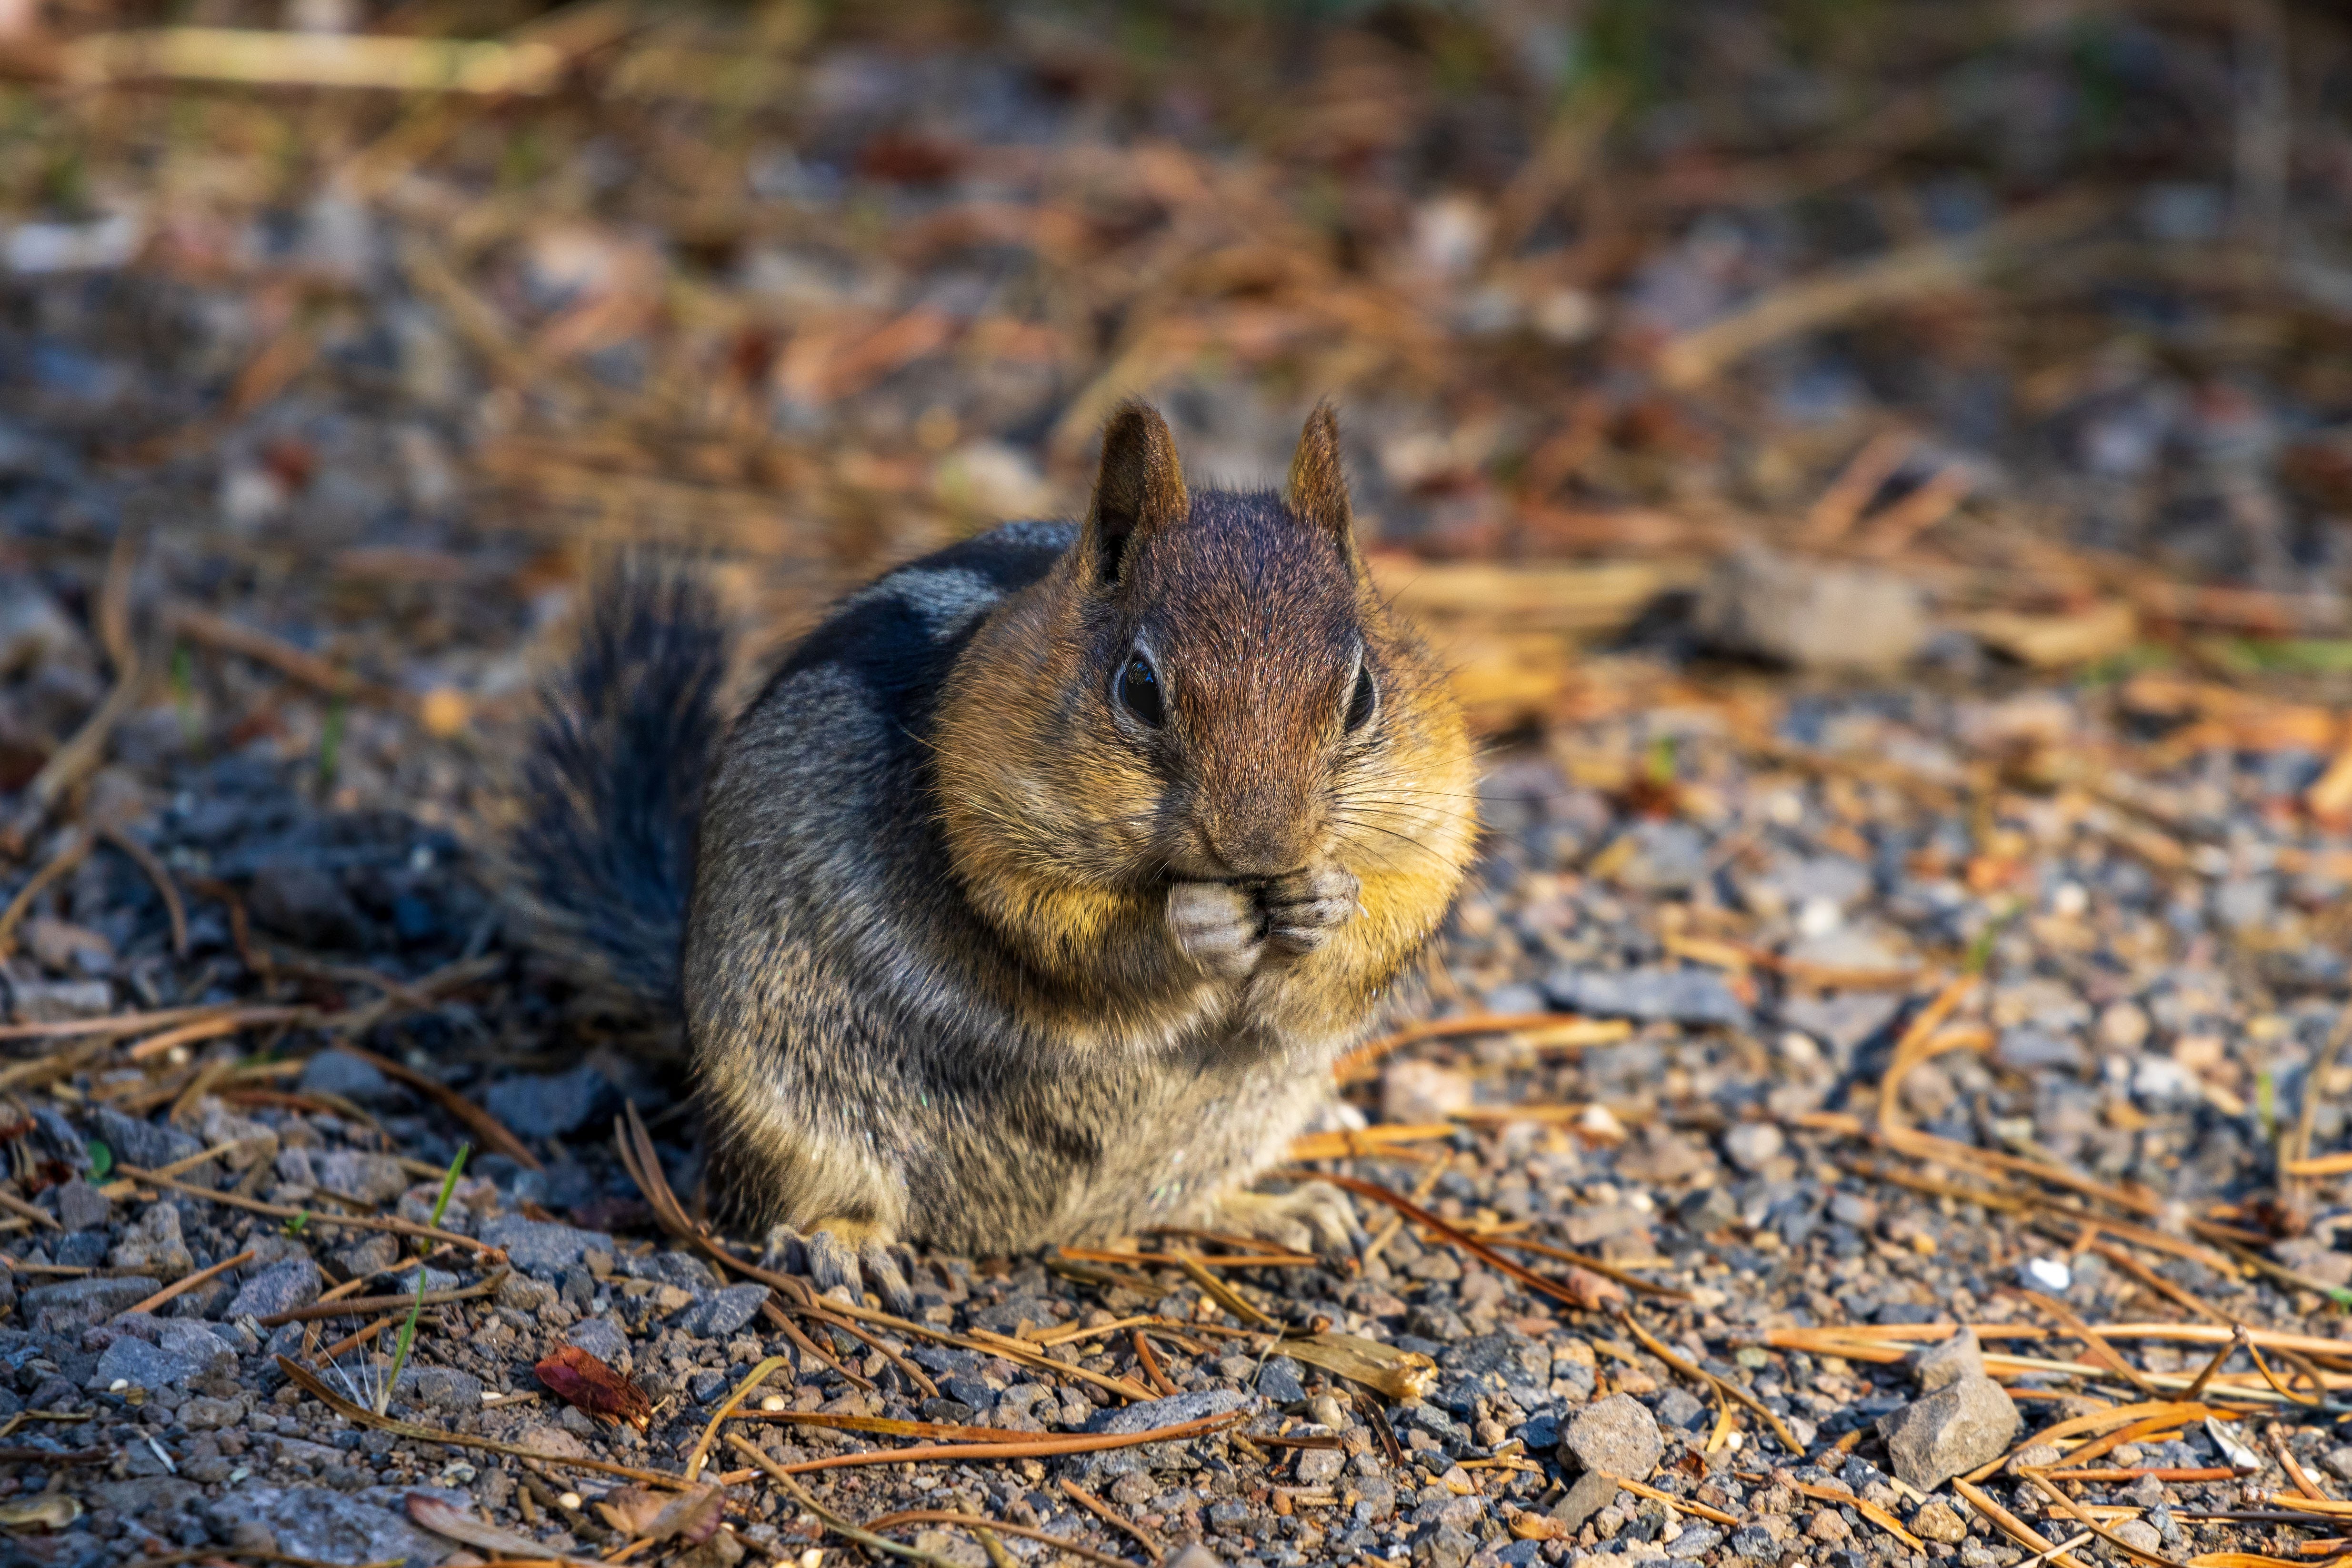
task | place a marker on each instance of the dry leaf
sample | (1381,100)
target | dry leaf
(692,1516)
(1593,1292)
(1399,1374)
(579,1379)
(50,1510)
(457,1524)
(2052,641)
(1528,1525)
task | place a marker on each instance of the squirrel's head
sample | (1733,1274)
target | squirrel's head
(1207,689)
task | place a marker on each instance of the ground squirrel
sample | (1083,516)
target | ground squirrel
(1034,898)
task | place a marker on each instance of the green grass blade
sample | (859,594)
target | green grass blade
(416,1307)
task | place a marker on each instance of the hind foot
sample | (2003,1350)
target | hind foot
(1313,1217)
(843,1260)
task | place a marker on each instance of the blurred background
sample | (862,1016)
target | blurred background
(1920,338)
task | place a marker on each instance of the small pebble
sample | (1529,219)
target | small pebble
(2048,1275)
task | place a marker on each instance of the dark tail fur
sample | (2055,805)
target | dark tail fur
(613,786)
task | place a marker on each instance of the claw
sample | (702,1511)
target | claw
(783,1251)
(1305,908)
(832,1267)
(1313,1217)
(882,1273)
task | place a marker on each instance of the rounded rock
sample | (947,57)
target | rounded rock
(1616,1436)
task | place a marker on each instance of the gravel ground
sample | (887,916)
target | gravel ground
(1975,954)
(2151,1002)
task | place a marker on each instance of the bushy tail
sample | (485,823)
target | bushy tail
(603,855)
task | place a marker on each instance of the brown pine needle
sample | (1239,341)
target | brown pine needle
(1110,1516)
(183,1286)
(981,1527)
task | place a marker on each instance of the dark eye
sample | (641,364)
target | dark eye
(1138,688)
(1362,700)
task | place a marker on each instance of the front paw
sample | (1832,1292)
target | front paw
(1217,925)
(1306,906)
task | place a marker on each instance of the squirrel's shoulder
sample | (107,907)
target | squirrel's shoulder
(895,638)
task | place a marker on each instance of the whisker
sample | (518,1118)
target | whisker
(1351,823)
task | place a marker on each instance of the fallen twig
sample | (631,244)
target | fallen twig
(941,1516)
(1028,1447)
(1112,1517)
(1561,1029)
(1914,272)
(181,1286)
(313,1216)
(356,1306)
(783,1476)
(310,1383)
(175,908)
(259,58)
(489,1128)
(1494,1260)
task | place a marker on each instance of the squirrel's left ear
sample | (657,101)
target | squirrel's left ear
(1317,490)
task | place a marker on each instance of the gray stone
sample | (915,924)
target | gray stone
(1668,857)
(723,1313)
(1809,613)
(299,899)
(341,1073)
(143,1365)
(1958,1428)
(2139,1533)
(1511,1358)
(1939,1365)
(441,1388)
(1440,1545)
(280,1288)
(603,1339)
(74,1304)
(81,1206)
(1752,1145)
(1196,1556)
(311,1521)
(60,1001)
(151,1244)
(34,629)
(1591,1494)
(1278,1381)
(148,1494)
(2027,1047)
(1755,1542)
(541,1247)
(1616,1436)
(1939,1520)
(1320,1467)
(1696,1540)
(1170,1412)
(1647,995)
(1679,1408)
(143,1143)
(553,1106)
(2244,903)
(370,1179)
(1843,1022)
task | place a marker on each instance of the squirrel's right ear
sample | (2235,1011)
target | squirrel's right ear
(1139,489)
